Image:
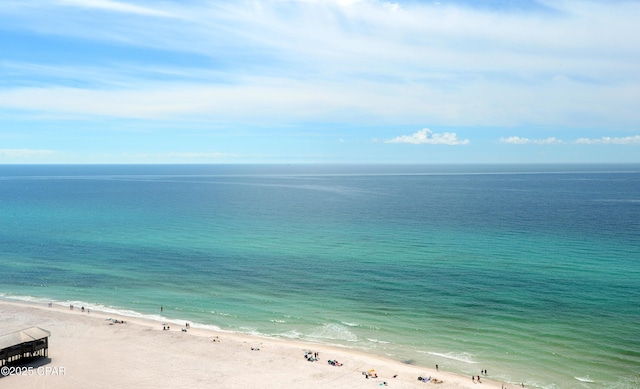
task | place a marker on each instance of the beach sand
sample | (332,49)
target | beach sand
(87,350)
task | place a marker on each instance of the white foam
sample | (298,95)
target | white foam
(222,314)
(118,311)
(334,332)
(77,304)
(585,379)
(377,341)
(206,327)
(251,331)
(292,334)
(29,299)
(460,357)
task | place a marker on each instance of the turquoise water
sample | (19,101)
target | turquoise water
(530,272)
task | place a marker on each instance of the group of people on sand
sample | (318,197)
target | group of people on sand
(370,374)
(429,379)
(166,327)
(311,356)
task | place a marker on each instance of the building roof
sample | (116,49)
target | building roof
(22,336)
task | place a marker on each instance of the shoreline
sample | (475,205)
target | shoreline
(90,347)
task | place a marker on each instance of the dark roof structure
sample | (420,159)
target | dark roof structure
(20,346)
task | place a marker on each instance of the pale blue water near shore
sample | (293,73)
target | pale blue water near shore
(530,272)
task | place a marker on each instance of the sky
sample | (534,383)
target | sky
(319,81)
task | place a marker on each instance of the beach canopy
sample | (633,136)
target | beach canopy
(23,336)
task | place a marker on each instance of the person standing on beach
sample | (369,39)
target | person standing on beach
(437,368)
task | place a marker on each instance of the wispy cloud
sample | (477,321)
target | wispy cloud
(302,64)
(449,65)
(24,153)
(116,6)
(273,99)
(516,140)
(425,136)
(606,140)
(198,155)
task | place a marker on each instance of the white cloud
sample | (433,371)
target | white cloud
(425,136)
(24,153)
(262,98)
(516,140)
(346,3)
(116,6)
(391,6)
(606,140)
(446,65)
(197,155)
(627,140)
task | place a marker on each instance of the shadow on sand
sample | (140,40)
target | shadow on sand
(25,367)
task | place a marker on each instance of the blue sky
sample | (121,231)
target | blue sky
(319,81)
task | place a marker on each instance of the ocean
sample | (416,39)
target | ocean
(531,272)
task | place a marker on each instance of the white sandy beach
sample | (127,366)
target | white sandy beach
(86,350)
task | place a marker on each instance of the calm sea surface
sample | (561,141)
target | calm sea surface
(531,272)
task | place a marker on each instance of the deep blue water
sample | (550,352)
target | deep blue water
(517,269)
